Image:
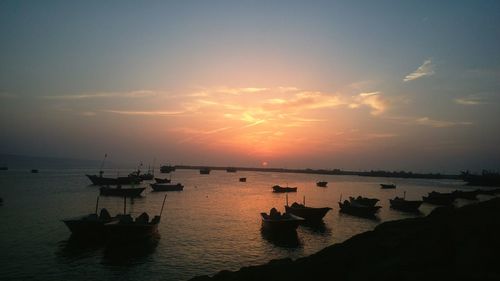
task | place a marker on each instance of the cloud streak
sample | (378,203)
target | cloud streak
(146,113)
(470,100)
(426,121)
(98,95)
(426,69)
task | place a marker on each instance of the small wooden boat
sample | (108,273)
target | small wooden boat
(91,225)
(204,171)
(167,187)
(438,198)
(34,171)
(127,229)
(167,169)
(310,214)
(470,195)
(4,168)
(159,180)
(231,170)
(321,183)
(354,208)
(277,222)
(280,189)
(360,200)
(243,179)
(123,192)
(405,205)
(387,186)
(100,180)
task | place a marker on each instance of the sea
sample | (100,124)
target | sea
(213,224)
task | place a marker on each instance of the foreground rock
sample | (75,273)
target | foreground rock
(449,244)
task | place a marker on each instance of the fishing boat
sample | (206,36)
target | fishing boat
(34,171)
(405,205)
(167,187)
(204,171)
(4,168)
(231,170)
(126,228)
(243,179)
(91,225)
(310,214)
(167,169)
(354,208)
(280,189)
(321,183)
(387,186)
(360,200)
(278,222)
(123,192)
(159,180)
(100,180)
(470,195)
(438,198)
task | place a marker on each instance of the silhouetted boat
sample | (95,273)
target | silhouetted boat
(231,170)
(100,180)
(470,195)
(438,198)
(387,186)
(278,222)
(360,200)
(280,189)
(243,179)
(204,171)
(34,171)
(127,229)
(123,192)
(167,187)
(90,226)
(405,205)
(167,169)
(322,183)
(354,208)
(158,180)
(310,214)
(4,168)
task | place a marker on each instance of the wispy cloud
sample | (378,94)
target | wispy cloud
(374,100)
(426,69)
(426,121)
(470,100)
(97,95)
(151,113)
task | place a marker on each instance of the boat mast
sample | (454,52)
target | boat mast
(287,199)
(304,201)
(97,204)
(102,164)
(164,198)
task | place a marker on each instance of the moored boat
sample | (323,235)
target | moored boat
(280,189)
(278,222)
(321,183)
(405,205)
(310,214)
(360,200)
(243,179)
(387,186)
(34,171)
(120,191)
(357,209)
(100,180)
(231,170)
(159,180)
(166,187)
(89,226)
(205,171)
(437,198)
(470,195)
(167,169)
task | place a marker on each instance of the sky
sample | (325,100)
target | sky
(360,85)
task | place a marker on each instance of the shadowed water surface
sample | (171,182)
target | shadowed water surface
(214,224)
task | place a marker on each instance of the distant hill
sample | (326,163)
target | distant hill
(31,162)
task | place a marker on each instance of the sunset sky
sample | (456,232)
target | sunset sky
(398,85)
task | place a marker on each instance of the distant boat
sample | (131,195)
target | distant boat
(167,169)
(470,195)
(357,209)
(100,180)
(4,168)
(128,229)
(277,222)
(405,205)
(231,170)
(387,186)
(280,189)
(158,180)
(167,187)
(322,183)
(243,179)
(34,171)
(1,200)
(438,198)
(360,200)
(123,192)
(310,214)
(204,171)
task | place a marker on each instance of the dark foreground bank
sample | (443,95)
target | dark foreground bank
(449,244)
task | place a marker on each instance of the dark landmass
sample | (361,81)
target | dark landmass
(449,244)
(486,178)
(372,173)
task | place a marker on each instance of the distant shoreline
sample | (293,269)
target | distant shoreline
(387,174)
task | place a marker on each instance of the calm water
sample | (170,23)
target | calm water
(214,224)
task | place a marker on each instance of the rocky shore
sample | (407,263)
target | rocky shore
(449,244)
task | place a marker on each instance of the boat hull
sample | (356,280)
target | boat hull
(167,187)
(405,205)
(279,189)
(387,186)
(158,180)
(280,225)
(308,213)
(358,210)
(123,192)
(97,180)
